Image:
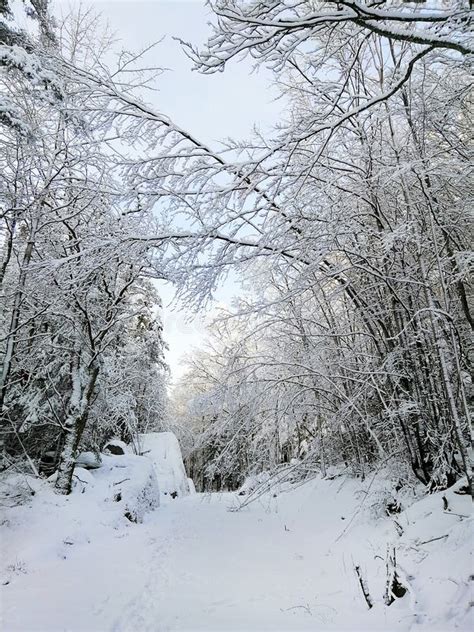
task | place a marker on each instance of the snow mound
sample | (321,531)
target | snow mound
(162,449)
(40,527)
(124,478)
(130,481)
(82,477)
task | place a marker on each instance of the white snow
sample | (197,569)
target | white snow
(130,481)
(284,562)
(163,449)
(88,460)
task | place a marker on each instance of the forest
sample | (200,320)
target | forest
(351,223)
(347,227)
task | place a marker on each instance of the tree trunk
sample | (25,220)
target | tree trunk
(75,425)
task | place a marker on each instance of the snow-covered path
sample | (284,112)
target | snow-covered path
(195,565)
(214,569)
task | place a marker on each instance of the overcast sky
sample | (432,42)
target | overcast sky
(212,107)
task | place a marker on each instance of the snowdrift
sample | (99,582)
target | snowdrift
(429,537)
(162,448)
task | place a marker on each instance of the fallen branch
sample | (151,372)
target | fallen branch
(434,539)
(364,588)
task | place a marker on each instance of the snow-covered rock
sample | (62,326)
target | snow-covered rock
(115,446)
(88,460)
(125,479)
(131,481)
(162,448)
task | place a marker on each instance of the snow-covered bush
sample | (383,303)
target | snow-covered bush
(252,482)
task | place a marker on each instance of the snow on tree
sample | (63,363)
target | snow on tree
(77,308)
(351,218)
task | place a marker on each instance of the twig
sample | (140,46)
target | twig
(306,608)
(452,513)
(125,479)
(80,479)
(434,539)
(398,527)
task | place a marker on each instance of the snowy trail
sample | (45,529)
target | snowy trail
(193,565)
(257,569)
(220,570)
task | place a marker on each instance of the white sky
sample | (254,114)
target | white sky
(212,107)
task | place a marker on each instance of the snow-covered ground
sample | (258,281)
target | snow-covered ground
(284,562)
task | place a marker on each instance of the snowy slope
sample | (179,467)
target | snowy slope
(162,448)
(285,562)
